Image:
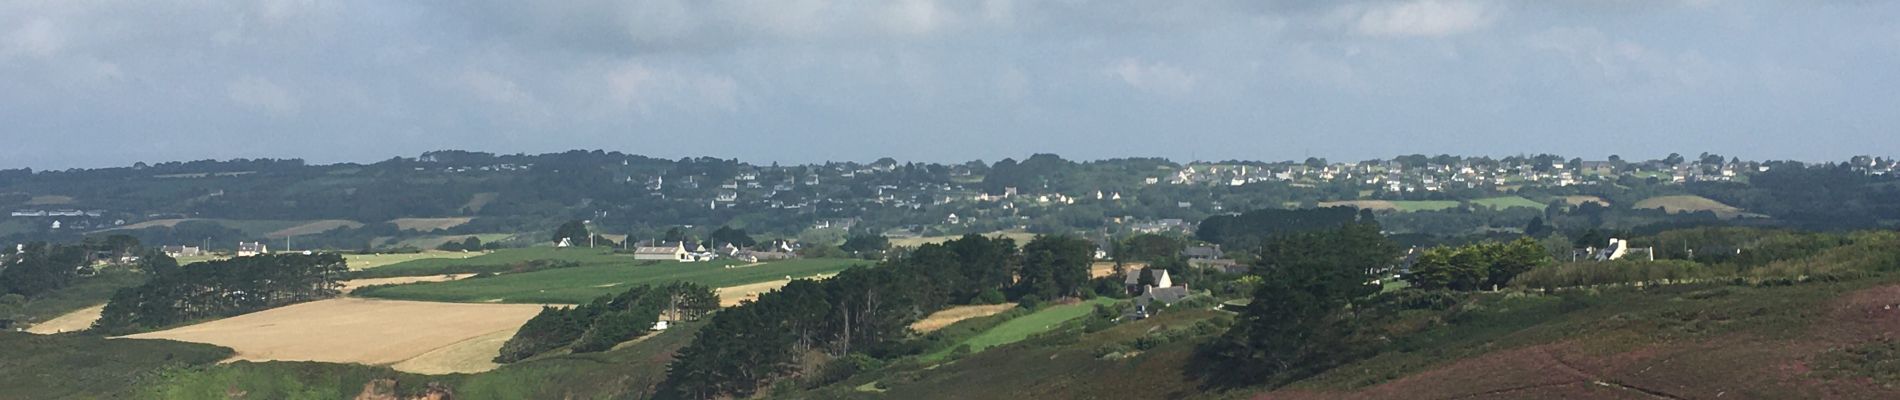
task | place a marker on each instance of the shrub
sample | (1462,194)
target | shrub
(990,296)
(1029,302)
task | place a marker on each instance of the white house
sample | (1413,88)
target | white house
(247,249)
(674,252)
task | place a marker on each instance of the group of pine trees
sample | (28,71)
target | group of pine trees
(39,268)
(1481,266)
(869,310)
(1316,293)
(608,320)
(173,294)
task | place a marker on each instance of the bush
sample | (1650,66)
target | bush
(842,368)
(1029,302)
(990,296)
(1614,272)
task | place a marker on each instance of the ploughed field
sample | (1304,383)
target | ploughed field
(421,337)
(574,285)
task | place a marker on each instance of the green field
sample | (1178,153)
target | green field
(86,292)
(580,284)
(1016,330)
(497,261)
(367,261)
(78,366)
(1424,205)
(1508,202)
(434,241)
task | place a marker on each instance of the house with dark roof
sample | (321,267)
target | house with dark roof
(1202,252)
(1160,277)
(247,249)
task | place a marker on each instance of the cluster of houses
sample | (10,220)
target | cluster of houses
(244,249)
(695,252)
(1397,177)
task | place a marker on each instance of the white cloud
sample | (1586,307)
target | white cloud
(916,17)
(261,94)
(1422,18)
(493,88)
(1156,77)
(645,89)
(37,37)
(1593,54)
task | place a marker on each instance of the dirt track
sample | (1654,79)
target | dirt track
(412,336)
(940,319)
(352,285)
(71,322)
(731,295)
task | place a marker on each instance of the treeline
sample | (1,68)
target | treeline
(177,294)
(608,320)
(1253,227)
(1305,316)
(869,310)
(1481,266)
(38,268)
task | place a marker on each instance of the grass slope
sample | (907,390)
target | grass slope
(75,366)
(631,371)
(581,284)
(497,261)
(1508,202)
(368,261)
(87,292)
(1690,203)
(1016,330)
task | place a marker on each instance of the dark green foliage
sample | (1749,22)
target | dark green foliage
(552,328)
(1298,322)
(865,243)
(1055,266)
(608,320)
(1148,248)
(1482,266)
(867,310)
(574,231)
(735,237)
(82,366)
(174,295)
(1251,228)
(44,268)
(615,327)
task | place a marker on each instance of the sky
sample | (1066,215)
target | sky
(109,83)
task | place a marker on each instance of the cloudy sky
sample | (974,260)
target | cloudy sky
(99,83)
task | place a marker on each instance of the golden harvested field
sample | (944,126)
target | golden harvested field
(1106,268)
(1579,200)
(49,200)
(428,224)
(731,295)
(148,224)
(314,227)
(1020,237)
(1381,205)
(414,336)
(1692,203)
(71,322)
(940,319)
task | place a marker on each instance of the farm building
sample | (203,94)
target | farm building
(674,252)
(183,251)
(247,249)
(1161,281)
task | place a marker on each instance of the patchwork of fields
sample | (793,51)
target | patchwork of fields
(374,332)
(581,284)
